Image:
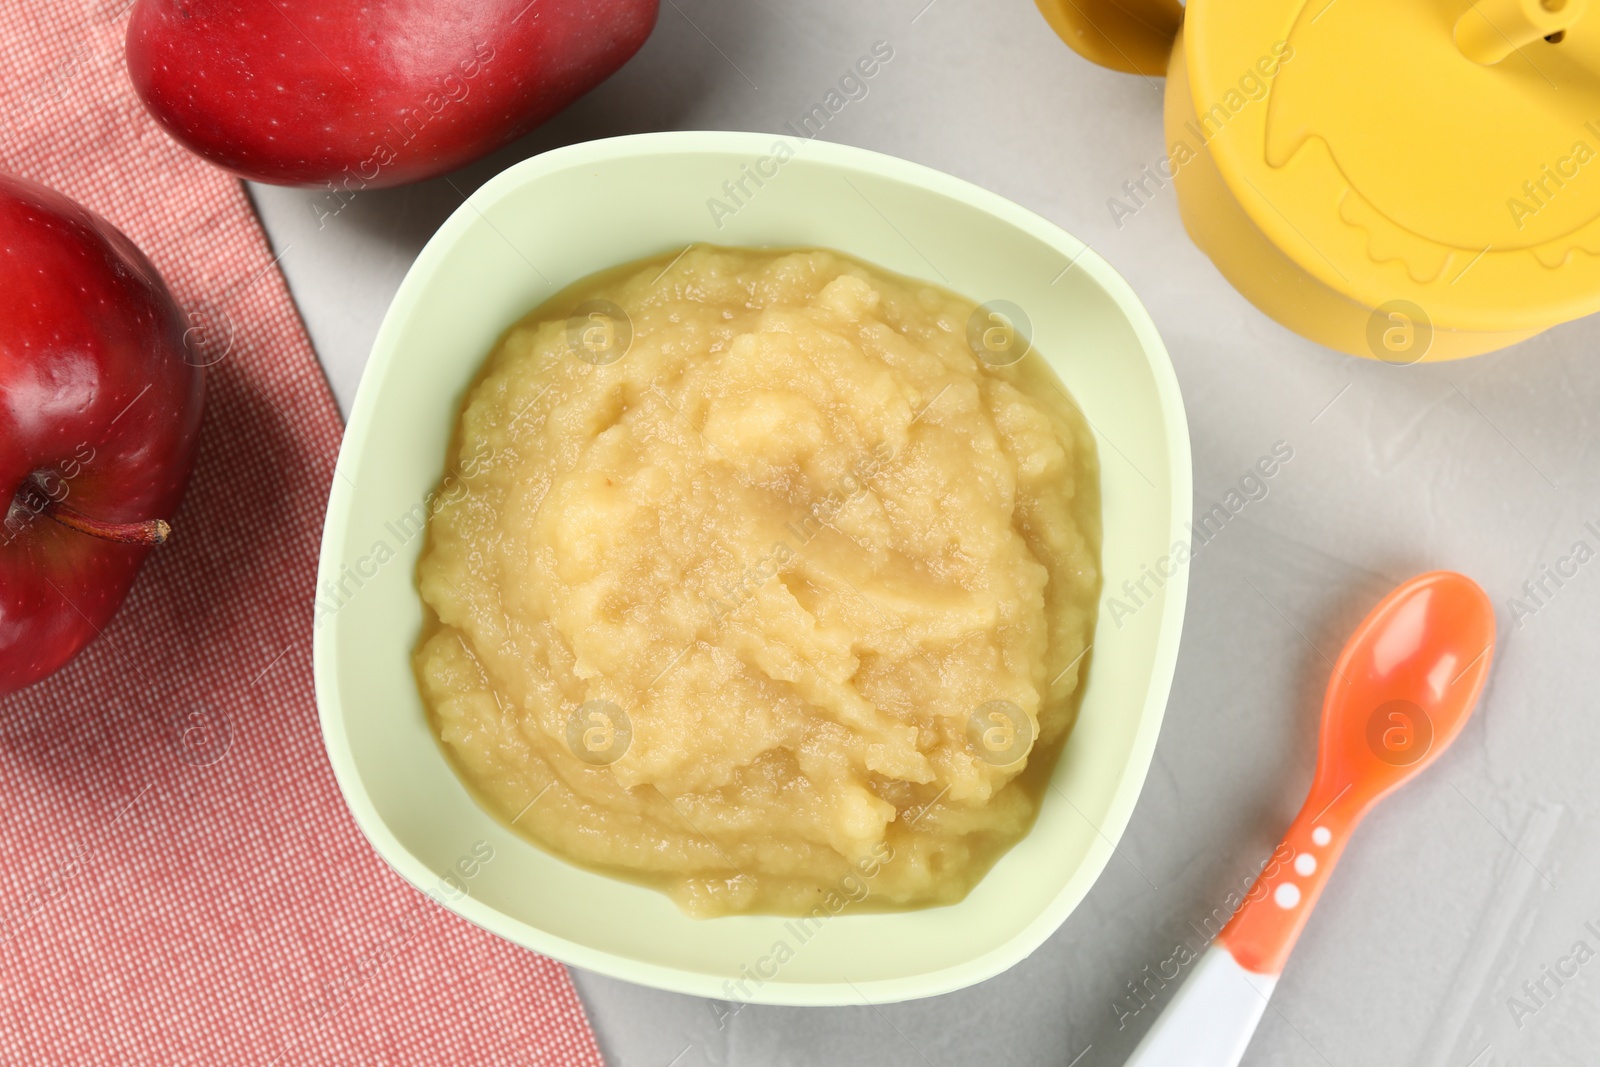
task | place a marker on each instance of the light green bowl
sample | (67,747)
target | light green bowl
(558,217)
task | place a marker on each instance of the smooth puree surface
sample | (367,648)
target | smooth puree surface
(751,581)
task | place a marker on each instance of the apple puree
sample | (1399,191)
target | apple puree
(758,585)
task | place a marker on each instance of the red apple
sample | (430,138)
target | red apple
(99,412)
(306,92)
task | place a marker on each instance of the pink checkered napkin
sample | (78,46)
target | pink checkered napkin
(181,881)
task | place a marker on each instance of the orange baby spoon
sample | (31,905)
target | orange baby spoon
(1404,686)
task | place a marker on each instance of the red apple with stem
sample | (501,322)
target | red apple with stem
(355,96)
(99,414)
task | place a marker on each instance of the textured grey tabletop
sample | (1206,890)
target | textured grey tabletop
(1460,927)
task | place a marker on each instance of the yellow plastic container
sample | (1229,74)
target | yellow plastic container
(1401,181)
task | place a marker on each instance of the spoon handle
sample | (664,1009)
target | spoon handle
(1266,926)
(1211,1018)
(1214,1013)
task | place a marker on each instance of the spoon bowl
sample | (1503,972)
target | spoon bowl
(1404,685)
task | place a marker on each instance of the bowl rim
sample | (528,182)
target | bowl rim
(1131,778)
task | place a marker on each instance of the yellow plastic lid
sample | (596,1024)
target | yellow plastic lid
(1432,151)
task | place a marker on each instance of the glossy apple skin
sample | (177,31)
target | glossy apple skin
(99,408)
(385,92)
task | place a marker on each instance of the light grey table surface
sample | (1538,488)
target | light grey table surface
(1477,878)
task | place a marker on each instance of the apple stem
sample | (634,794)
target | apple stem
(150,532)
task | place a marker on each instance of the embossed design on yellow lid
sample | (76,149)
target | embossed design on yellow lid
(1334,157)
